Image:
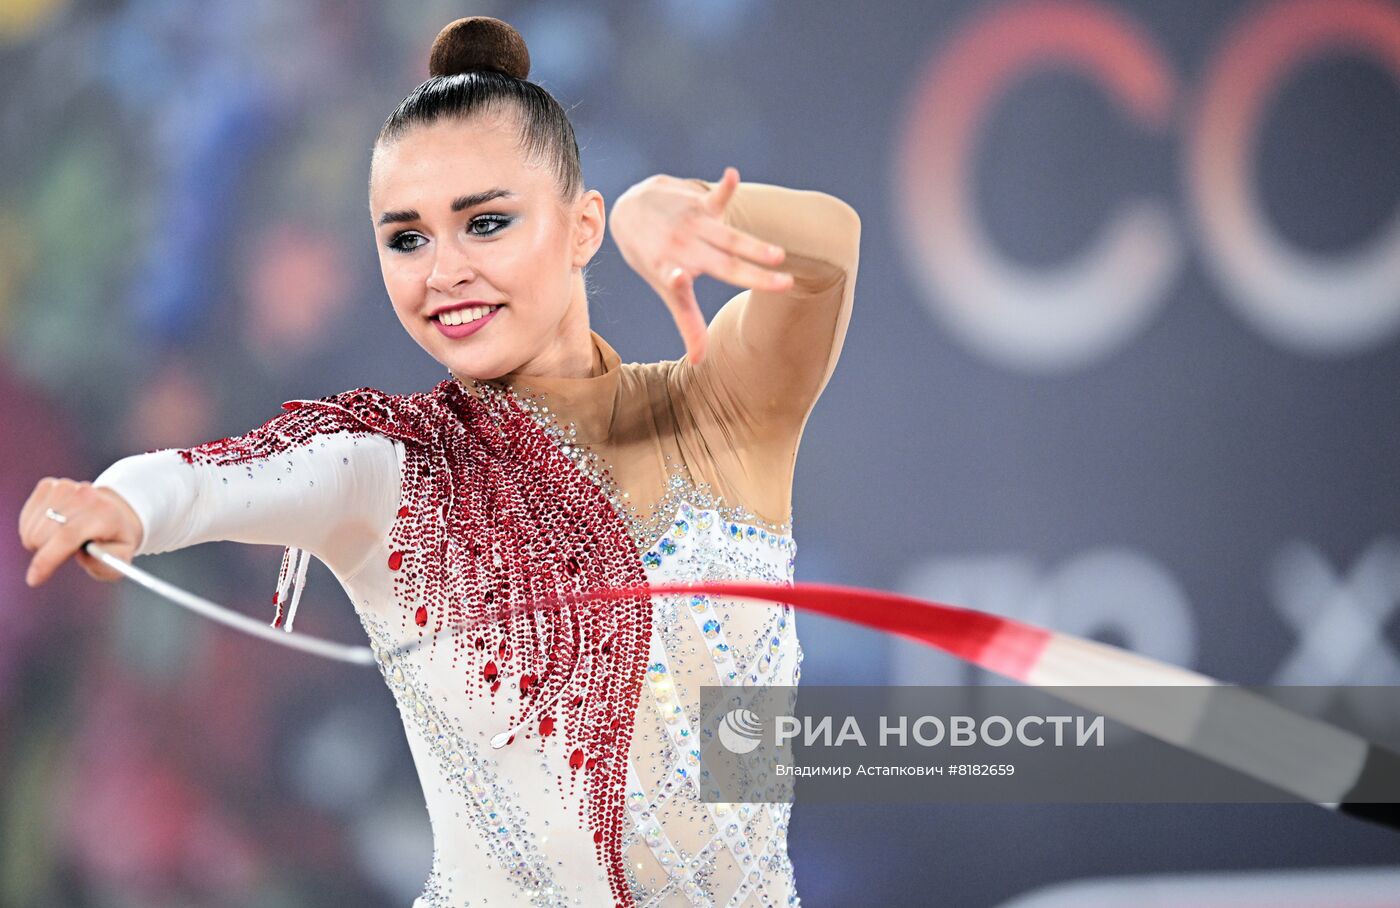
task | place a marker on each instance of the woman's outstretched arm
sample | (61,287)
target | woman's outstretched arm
(287,483)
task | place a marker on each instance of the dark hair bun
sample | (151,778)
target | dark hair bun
(479,42)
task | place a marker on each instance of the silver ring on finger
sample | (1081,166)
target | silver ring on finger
(55,516)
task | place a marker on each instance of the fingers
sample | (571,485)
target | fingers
(737,242)
(58,545)
(34,525)
(723,191)
(679,294)
(97,569)
(735,270)
(89,516)
(706,245)
(31,504)
(34,509)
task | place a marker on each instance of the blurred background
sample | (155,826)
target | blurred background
(1125,362)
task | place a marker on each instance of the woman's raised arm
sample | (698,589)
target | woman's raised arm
(772,348)
(776,349)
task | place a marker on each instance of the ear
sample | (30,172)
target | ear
(590,226)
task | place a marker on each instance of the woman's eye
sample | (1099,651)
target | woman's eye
(406,242)
(497,220)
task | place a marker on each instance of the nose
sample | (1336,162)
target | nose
(451,268)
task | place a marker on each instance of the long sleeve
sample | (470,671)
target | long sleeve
(774,352)
(333,494)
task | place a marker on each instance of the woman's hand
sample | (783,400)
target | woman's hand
(672,230)
(95,514)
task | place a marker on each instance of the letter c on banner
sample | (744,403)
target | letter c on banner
(1031,319)
(1333,305)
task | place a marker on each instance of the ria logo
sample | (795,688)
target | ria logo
(741,730)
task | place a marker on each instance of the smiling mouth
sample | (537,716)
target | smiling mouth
(463,316)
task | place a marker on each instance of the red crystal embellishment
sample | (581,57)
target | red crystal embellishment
(531,507)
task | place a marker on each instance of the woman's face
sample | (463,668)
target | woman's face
(467,227)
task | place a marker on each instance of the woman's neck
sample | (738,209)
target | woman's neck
(575,357)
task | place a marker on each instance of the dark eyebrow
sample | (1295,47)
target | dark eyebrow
(461,203)
(396,217)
